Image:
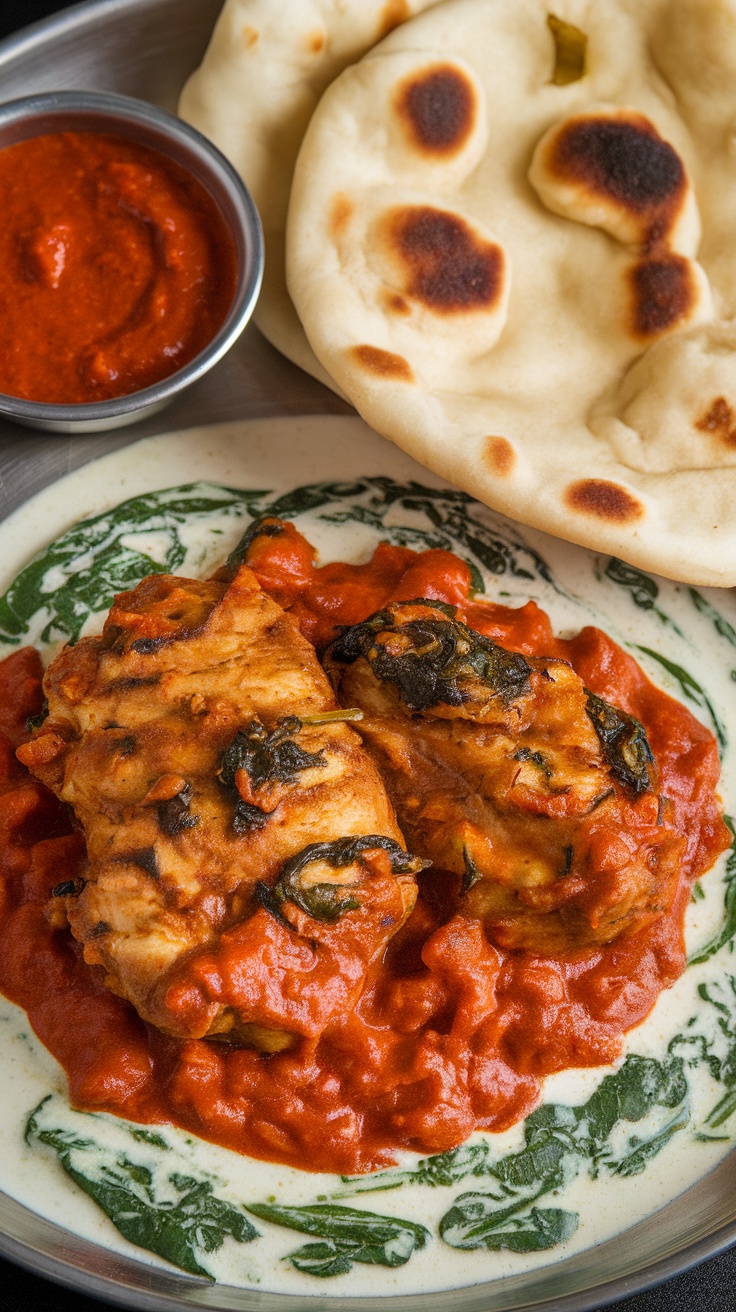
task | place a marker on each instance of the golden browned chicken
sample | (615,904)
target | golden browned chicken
(507,771)
(245,866)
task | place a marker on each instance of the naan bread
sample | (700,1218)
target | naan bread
(264,71)
(531,287)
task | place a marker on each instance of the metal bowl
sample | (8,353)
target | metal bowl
(146,124)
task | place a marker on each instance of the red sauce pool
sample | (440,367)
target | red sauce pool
(451,1034)
(116,267)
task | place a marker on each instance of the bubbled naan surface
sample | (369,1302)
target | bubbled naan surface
(263,73)
(530,287)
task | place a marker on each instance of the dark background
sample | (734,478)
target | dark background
(17,13)
(711,1285)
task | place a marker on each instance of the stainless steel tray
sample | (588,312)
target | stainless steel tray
(147,48)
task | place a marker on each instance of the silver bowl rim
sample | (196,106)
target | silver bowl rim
(247,232)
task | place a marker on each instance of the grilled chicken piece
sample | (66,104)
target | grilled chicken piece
(507,771)
(242,848)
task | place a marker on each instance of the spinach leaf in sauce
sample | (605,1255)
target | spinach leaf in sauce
(78,575)
(721,625)
(719,621)
(559,1142)
(171,1214)
(690,689)
(326,901)
(642,589)
(455,521)
(623,741)
(430,661)
(349,1235)
(727,932)
(266,758)
(474,1222)
(721,1053)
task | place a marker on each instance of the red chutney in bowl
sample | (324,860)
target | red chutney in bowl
(116,267)
(452,1034)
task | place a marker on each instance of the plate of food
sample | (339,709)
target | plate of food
(368,879)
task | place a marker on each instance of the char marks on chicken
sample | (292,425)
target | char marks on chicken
(506,771)
(193,741)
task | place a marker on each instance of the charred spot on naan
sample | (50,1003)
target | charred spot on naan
(438,107)
(665,294)
(394,303)
(720,420)
(393,14)
(623,158)
(447,265)
(342,210)
(382,364)
(613,169)
(603,500)
(499,455)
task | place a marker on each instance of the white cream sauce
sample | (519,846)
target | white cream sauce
(279,455)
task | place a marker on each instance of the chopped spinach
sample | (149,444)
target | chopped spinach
(327,901)
(145,858)
(473,1222)
(268,757)
(324,902)
(471,873)
(247,818)
(35,721)
(349,1235)
(173,1215)
(641,1151)
(536,758)
(329,1258)
(69,887)
(691,689)
(55,585)
(263,526)
(719,621)
(431,661)
(642,589)
(623,741)
(455,518)
(148,1136)
(727,932)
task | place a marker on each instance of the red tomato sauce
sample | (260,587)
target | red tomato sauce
(116,267)
(452,1034)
